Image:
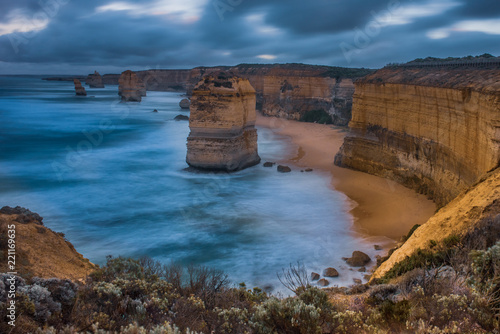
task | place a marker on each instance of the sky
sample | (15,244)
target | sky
(78,37)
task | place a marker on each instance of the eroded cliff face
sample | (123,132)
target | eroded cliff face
(131,88)
(222,122)
(434,130)
(291,90)
(156,80)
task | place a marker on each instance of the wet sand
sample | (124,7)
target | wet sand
(380,207)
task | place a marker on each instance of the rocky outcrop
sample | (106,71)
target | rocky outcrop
(40,252)
(436,130)
(94,80)
(131,88)
(79,89)
(293,90)
(184,104)
(222,122)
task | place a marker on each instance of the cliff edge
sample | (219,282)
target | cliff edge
(39,251)
(436,130)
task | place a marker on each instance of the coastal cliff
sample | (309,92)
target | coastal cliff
(292,90)
(436,130)
(222,122)
(40,252)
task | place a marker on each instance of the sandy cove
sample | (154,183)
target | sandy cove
(381,207)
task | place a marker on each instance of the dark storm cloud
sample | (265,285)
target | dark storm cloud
(235,31)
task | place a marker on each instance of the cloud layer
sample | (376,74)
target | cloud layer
(47,36)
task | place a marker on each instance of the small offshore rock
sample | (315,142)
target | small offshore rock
(269,164)
(309,170)
(358,259)
(362,269)
(357,281)
(377,247)
(79,90)
(314,276)
(184,104)
(155,110)
(284,169)
(323,282)
(331,272)
(181,118)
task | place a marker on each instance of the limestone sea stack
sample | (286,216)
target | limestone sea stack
(94,80)
(222,122)
(80,91)
(130,87)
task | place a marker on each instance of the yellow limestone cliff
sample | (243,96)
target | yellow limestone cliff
(434,130)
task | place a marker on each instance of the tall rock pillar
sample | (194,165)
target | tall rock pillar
(222,122)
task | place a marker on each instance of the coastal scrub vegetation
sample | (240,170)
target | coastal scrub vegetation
(453,289)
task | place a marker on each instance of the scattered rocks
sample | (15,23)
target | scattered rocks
(358,259)
(79,90)
(269,164)
(308,170)
(323,282)
(181,118)
(357,281)
(284,169)
(314,276)
(184,104)
(331,272)
(377,247)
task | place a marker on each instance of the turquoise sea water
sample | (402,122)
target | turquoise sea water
(111,177)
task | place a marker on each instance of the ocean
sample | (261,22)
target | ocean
(111,176)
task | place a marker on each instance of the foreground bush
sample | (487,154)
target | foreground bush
(129,296)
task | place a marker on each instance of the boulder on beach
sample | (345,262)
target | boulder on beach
(284,169)
(330,272)
(314,276)
(181,118)
(184,104)
(323,282)
(358,259)
(357,281)
(79,89)
(269,164)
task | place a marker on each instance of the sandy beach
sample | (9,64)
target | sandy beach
(381,207)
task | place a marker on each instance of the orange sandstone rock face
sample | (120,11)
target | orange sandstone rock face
(222,120)
(434,130)
(79,89)
(130,87)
